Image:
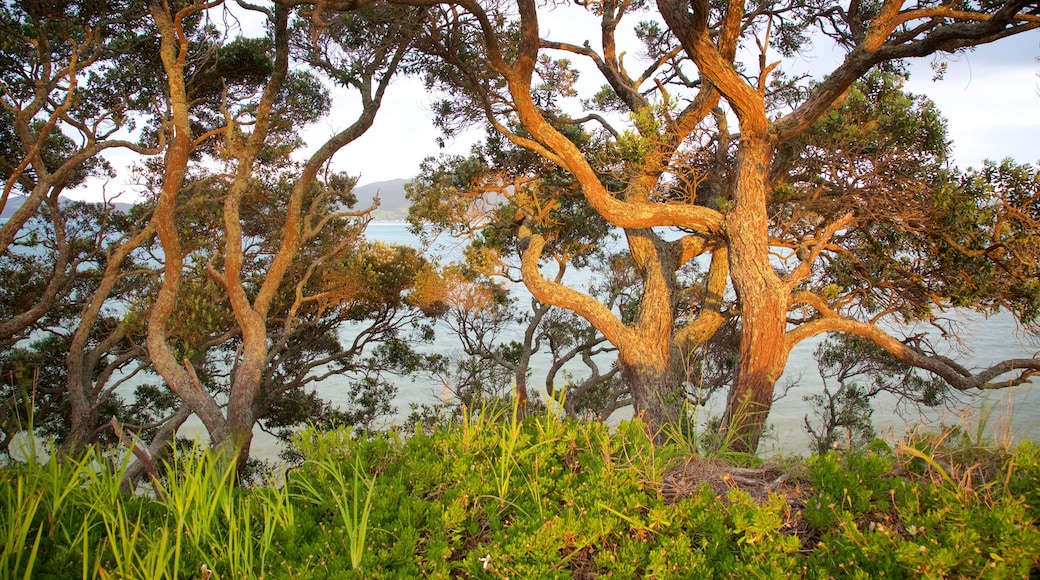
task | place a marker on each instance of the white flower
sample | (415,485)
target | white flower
(485,560)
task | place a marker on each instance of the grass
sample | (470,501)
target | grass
(20,504)
(351,494)
(500,497)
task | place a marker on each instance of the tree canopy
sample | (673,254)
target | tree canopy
(825,204)
(234,277)
(754,207)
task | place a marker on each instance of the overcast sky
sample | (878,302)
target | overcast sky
(990,96)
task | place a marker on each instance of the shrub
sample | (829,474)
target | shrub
(575,500)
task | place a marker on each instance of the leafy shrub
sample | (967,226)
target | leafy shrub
(574,500)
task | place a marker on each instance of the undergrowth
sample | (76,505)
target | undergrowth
(496,497)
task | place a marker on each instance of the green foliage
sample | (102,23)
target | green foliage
(352,495)
(925,237)
(862,370)
(942,526)
(848,485)
(1023,469)
(70,519)
(495,496)
(21,503)
(992,215)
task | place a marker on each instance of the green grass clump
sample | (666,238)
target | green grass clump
(497,497)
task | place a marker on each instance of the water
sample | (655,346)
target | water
(1004,415)
(1009,412)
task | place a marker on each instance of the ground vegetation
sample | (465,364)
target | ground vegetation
(494,497)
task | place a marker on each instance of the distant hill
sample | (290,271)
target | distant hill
(392,204)
(14,202)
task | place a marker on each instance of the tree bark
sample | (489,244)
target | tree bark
(654,377)
(763,298)
(650,362)
(180,378)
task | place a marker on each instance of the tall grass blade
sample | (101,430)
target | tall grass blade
(22,503)
(353,499)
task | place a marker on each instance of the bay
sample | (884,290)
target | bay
(1004,415)
(1010,414)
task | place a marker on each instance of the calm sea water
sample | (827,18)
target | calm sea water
(1008,413)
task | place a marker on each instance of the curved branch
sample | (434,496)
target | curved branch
(563,296)
(955,375)
(877,47)
(710,318)
(594,117)
(805,267)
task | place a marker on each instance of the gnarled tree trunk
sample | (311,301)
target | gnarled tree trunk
(654,379)
(763,297)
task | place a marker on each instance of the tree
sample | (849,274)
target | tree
(844,414)
(681,165)
(72,84)
(536,200)
(481,199)
(104,349)
(254,124)
(872,38)
(76,79)
(64,380)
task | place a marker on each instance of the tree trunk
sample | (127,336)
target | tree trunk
(178,375)
(650,363)
(251,312)
(763,298)
(241,411)
(83,408)
(655,387)
(83,420)
(79,384)
(522,398)
(763,356)
(522,393)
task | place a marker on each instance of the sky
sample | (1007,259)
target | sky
(990,97)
